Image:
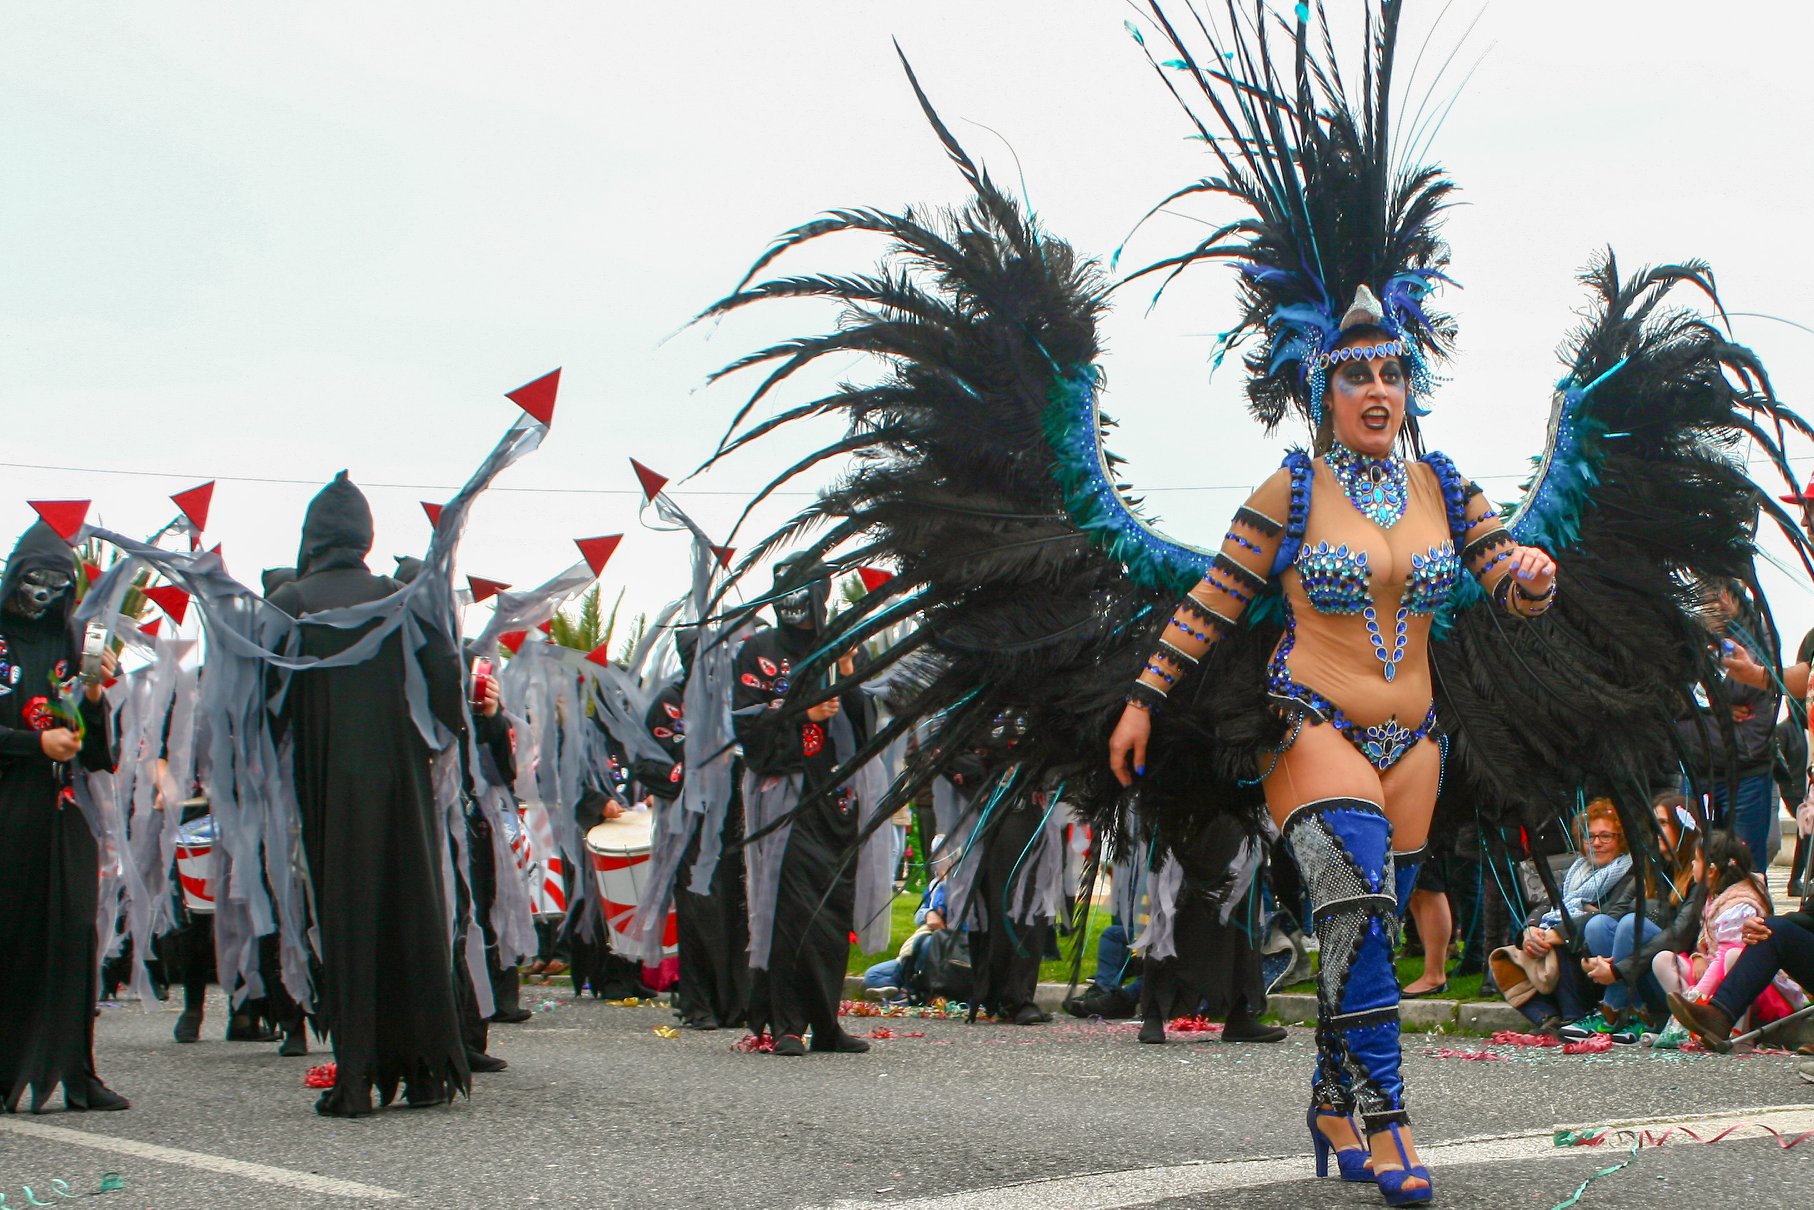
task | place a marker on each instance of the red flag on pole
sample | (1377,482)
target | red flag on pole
(195,504)
(537,398)
(171,599)
(652,483)
(484,590)
(64,516)
(598,551)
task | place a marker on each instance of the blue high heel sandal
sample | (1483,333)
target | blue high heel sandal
(1352,1161)
(1392,1182)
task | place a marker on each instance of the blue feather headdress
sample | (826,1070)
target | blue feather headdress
(1343,231)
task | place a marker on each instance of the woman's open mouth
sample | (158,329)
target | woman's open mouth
(1377,419)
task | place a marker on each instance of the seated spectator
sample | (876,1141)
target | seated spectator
(1737,903)
(1542,977)
(1776,949)
(883,981)
(1671,922)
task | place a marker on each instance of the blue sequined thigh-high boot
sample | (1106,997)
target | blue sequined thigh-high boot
(1335,891)
(1343,850)
(1404,876)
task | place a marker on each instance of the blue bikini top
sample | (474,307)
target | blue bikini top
(1338,580)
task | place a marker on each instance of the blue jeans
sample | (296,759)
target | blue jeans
(1114,956)
(1790,948)
(1748,815)
(883,974)
(1617,939)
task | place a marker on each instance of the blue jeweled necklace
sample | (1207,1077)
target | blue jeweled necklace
(1376,486)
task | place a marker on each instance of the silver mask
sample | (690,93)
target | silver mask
(38,590)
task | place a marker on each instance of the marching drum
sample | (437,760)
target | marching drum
(195,863)
(620,861)
(540,862)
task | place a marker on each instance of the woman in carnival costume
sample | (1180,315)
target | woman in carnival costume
(1363,590)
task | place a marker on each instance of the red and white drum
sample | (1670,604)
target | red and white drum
(620,861)
(540,861)
(195,863)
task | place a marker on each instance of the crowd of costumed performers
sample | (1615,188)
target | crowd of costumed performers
(1370,630)
(363,823)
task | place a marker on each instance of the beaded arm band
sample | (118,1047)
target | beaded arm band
(1211,608)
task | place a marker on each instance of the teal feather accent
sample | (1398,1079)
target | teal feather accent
(1558,496)
(1073,425)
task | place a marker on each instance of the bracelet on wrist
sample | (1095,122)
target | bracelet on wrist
(1145,697)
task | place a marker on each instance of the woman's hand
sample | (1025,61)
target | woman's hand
(1534,570)
(1600,971)
(493,699)
(847,664)
(60,743)
(1127,746)
(824,710)
(1754,931)
(1537,942)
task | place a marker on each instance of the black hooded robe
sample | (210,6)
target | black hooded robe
(49,861)
(1005,953)
(815,901)
(371,830)
(1215,970)
(712,929)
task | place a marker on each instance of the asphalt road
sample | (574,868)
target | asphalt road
(598,1109)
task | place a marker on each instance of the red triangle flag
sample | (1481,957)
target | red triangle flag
(484,590)
(64,516)
(171,599)
(724,554)
(598,551)
(150,629)
(546,627)
(537,398)
(434,513)
(873,578)
(91,570)
(512,641)
(600,656)
(195,503)
(652,483)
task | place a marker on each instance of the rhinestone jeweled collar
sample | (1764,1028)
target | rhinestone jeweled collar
(1376,486)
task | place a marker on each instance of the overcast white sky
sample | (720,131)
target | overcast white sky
(269,241)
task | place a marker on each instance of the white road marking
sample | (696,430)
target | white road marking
(307,1182)
(1137,1186)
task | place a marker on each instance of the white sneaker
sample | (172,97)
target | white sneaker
(885,995)
(1805,1069)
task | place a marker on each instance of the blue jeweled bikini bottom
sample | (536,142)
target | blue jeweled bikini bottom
(1383,744)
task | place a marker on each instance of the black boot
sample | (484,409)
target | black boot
(1243,1026)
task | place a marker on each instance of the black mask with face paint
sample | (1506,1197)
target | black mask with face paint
(802,593)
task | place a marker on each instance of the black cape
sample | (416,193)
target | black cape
(712,930)
(815,901)
(370,827)
(49,862)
